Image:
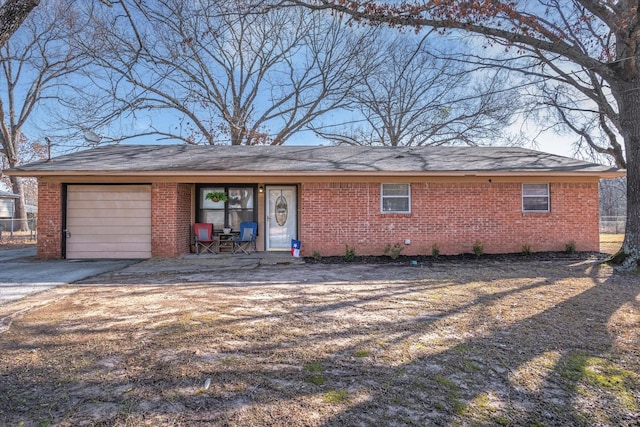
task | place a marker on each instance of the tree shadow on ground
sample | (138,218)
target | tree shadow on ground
(378,352)
(560,341)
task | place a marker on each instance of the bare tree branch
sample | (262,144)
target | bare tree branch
(414,97)
(35,64)
(235,76)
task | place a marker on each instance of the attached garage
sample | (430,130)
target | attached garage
(108,221)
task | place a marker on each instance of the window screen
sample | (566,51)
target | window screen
(535,198)
(395,198)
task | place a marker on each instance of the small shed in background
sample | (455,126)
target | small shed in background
(8,222)
(7,211)
(7,204)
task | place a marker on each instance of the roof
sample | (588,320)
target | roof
(7,195)
(271,160)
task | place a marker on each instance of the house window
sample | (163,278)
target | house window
(535,198)
(238,208)
(395,198)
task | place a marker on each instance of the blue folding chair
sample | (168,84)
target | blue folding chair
(246,238)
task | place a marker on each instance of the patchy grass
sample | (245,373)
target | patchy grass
(335,396)
(473,342)
(315,369)
(593,375)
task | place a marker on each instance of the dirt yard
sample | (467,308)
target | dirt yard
(610,243)
(20,239)
(522,341)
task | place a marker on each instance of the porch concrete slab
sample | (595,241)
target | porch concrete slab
(21,274)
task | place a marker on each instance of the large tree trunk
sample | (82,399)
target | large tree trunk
(628,97)
(12,14)
(20,220)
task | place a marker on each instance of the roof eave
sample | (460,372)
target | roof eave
(248,173)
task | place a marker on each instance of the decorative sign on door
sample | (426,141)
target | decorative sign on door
(281,210)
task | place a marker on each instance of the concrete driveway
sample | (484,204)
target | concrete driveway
(21,274)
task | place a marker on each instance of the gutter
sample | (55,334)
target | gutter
(276,174)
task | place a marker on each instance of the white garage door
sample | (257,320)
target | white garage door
(108,221)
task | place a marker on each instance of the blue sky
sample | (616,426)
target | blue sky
(36,129)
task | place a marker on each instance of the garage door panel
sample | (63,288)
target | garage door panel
(85,216)
(118,230)
(101,188)
(84,196)
(120,218)
(111,247)
(108,221)
(109,234)
(117,255)
(100,205)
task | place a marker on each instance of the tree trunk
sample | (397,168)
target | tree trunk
(20,221)
(628,97)
(12,14)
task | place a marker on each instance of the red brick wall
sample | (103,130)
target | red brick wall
(170,219)
(451,215)
(49,244)
(332,215)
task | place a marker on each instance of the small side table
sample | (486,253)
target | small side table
(225,242)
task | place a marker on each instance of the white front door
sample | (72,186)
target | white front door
(281,217)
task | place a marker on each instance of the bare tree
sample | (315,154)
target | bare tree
(28,151)
(589,45)
(35,64)
(570,112)
(229,75)
(612,197)
(548,100)
(415,96)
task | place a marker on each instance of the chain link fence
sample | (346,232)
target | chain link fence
(613,224)
(14,229)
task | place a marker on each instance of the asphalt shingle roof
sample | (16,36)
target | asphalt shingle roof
(163,159)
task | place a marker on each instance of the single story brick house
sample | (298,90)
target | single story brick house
(139,201)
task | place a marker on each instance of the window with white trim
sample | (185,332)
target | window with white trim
(395,198)
(535,198)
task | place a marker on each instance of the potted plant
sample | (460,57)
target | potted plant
(216,196)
